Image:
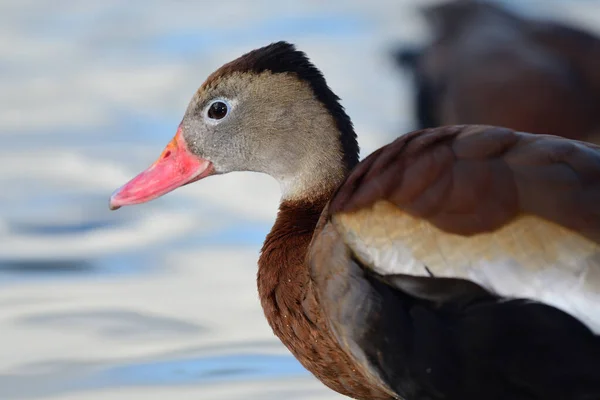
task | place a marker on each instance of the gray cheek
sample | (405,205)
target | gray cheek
(193,133)
(226,146)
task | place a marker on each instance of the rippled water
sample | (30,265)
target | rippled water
(159,301)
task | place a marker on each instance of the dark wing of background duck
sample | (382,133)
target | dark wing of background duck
(463,262)
(486,65)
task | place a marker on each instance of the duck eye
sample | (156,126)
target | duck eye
(217,110)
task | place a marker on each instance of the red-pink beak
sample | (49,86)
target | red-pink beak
(175,167)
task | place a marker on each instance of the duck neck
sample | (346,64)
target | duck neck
(282,272)
(283,275)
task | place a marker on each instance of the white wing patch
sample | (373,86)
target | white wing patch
(529,258)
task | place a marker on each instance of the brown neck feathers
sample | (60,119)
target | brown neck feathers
(283,254)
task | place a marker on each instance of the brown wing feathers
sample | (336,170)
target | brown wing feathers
(474,179)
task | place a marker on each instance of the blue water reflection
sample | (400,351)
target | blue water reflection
(201,370)
(63,378)
(201,40)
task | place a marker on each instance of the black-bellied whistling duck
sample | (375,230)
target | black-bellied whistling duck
(460,262)
(486,65)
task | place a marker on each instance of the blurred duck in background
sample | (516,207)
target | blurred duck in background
(486,65)
(456,263)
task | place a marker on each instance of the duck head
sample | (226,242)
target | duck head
(268,111)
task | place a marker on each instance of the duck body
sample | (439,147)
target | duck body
(486,65)
(459,262)
(434,338)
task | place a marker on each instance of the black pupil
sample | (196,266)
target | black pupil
(217,110)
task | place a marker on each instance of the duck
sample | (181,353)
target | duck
(488,65)
(456,262)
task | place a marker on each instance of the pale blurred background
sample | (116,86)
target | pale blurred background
(159,301)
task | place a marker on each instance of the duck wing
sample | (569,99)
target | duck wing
(464,262)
